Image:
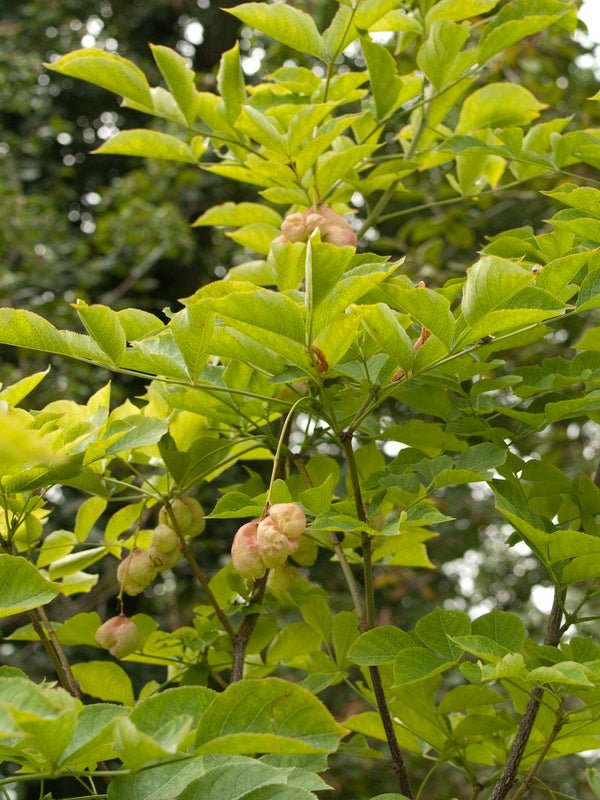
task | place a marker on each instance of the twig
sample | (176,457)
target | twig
(398,764)
(65,674)
(530,778)
(242,637)
(341,556)
(515,756)
(199,575)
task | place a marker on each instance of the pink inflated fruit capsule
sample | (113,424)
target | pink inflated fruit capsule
(245,553)
(274,546)
(119,635)
(289,519)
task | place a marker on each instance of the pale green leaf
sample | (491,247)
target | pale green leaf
(107,70)
(456,10)
(284,23)
(498,105)
(104,680)
(380,645)
(103,325)
(179,78)
(22,587)
(147,144)
(230,83)
(438,629)
(236,215)
(415,664)
(268,715)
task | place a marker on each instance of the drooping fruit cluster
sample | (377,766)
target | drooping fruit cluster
(119,635)
(265,544)
(140,567)
(333,227)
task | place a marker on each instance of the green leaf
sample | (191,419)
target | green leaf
(498,105)
(18,391)
(87,515)
(169,780)
(440,56)
(437,629)
(380,645)
(104,680)
(383,326)
(26,329)
(22,587)
(385,81)
(151,714)
(467,697)
(179,78)
(236,215)
(317,499)
(103,325)
(456,10)
(491,283)
(428,308)
(92,739)
(569,673)
(257,781)
(274,320)
(236,504)
(516,20)
(283,23)
(503,627)
(268,716)
(415,664)
(107,70)
(147,144)
(230,83)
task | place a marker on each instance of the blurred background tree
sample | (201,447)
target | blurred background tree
(116,231)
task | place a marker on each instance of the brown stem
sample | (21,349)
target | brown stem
(199,575)
(507,776)
(47,636)
(530,779)
(242,637)
(398,764)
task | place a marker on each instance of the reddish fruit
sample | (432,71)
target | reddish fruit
(314,221)
(188,516)
(294,228)
(136,571)
(119,636)
(245,553)
(341,237)
(274,545)
(289,519)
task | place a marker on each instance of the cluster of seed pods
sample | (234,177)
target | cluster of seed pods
(265,544)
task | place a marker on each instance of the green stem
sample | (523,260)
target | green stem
(341,556)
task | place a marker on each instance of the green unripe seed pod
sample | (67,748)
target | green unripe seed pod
(164,539)
(136,571)
(188,515)
(118,635)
